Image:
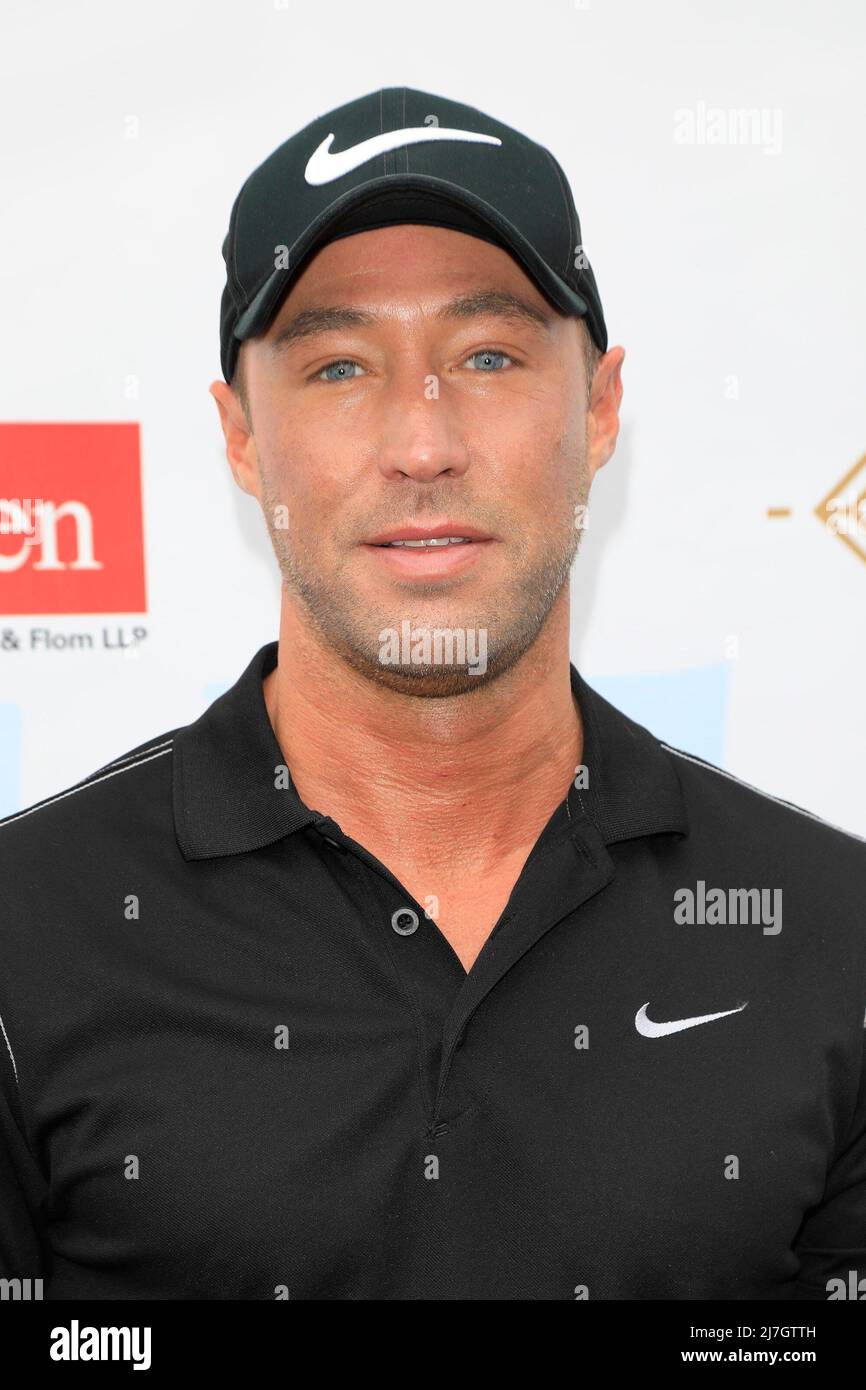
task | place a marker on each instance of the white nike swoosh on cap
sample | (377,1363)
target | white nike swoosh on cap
(648,1029)
(323,167)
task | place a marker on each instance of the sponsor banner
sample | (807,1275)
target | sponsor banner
(71,529)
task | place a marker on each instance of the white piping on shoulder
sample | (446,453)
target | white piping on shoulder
(129,757)
(143,757)
(689,758)
(9,1048)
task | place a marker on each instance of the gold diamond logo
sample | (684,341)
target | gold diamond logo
(843,510)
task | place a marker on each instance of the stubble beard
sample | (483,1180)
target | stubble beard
(512,620)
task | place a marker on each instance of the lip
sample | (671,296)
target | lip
(416,531)
(427,564)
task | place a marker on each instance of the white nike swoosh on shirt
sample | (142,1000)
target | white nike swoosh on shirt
(322,166)
(648,1029)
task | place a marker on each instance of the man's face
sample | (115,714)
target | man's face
(428,403)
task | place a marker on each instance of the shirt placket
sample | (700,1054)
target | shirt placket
(568,865)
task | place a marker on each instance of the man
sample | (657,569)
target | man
(413,969)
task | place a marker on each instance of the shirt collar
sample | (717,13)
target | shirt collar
(229,797)
(633,787)
(228,794)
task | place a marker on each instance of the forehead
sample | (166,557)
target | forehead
(407,265)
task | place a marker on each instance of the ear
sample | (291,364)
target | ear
(241,449)
(602,421)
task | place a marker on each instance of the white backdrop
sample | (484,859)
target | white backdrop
(716,157)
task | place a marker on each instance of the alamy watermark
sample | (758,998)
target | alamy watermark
(22,516)
(729,907)
(759,126)
(434,646)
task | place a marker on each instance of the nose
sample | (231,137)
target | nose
(420,434)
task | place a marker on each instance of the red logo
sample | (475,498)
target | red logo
(71,531)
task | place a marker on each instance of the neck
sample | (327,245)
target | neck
(409,775)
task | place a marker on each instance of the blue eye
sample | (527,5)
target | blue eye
(490,355)
(341,363)
(338,370)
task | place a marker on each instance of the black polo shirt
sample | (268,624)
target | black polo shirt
(240,1062)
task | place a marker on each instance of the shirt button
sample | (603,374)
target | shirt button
(404,921)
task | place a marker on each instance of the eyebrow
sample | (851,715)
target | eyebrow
(481,303)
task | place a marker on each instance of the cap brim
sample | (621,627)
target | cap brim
(408,198)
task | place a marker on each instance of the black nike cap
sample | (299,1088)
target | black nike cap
(400,155)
